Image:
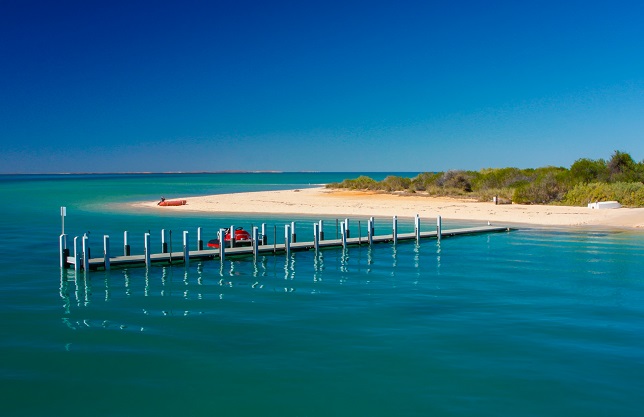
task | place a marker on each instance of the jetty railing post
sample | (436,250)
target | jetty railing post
(186,248)
(76,255)
(106,252)
(64,252)
(316,237)
(264,237)
(343,234)
(395,229)
(164,244)
(222,245)
(370,231)
(293,234)
(146,248)
(199,239)
(439,228)
(417,228)
(126,246)
(255,242)
(232,236)
(287,239)
(373,224)
(85,252)
(63,213)
(346,228)
(321,226)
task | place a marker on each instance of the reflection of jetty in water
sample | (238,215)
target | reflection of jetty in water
(243,279)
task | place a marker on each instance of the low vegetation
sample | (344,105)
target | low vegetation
(587,180)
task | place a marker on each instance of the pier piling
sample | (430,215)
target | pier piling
(146,248)
(395,229)
(106,252)
(186,248)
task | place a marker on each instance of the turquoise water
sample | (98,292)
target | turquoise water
(528,323)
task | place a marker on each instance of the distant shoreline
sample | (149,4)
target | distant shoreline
(324,202)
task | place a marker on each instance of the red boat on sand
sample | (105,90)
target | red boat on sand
(165,202)
(242,238)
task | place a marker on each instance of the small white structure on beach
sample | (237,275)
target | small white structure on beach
(604,205)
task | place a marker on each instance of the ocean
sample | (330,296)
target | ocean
(532,322)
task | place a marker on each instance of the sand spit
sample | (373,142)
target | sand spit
(326,202)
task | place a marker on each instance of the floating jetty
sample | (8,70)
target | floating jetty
(78,256)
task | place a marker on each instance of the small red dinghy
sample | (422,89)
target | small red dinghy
(172,202)
(242,238)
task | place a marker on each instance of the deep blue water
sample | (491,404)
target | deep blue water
(528,323)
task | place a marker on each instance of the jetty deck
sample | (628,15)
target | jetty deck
(78,262)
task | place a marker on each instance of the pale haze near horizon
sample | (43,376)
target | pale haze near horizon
(324,86)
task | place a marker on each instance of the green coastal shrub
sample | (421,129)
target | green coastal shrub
(546,188)
(629,194)
(459,180)
(621,179)
(361,183)
(395,183)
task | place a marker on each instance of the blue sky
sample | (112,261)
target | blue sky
(123,86)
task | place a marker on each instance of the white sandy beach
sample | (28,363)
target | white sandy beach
(326,202)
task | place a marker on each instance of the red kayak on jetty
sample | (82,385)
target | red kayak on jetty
(165,202)
(242,238)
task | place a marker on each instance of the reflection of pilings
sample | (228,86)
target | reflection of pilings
(64,291)
(344,260)
(126,282)
(394,256)
(146,289)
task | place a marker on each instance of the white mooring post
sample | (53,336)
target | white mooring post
(370,231)
(373,225)
(287,239)
(417,228)
(63,213)
(146,248)
(76,255)
(106,252)
(62,244)
(264,237)
(293,234)
(186,248)
(321,227)
(255,243)
(343,234)
(232,236)
(439,228)
(316,237)
(222,250)
(126,246)
(199,240)
(164,244)
(85,252)
(395,229)
(346,228)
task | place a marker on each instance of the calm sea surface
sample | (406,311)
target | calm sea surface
(527,323)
